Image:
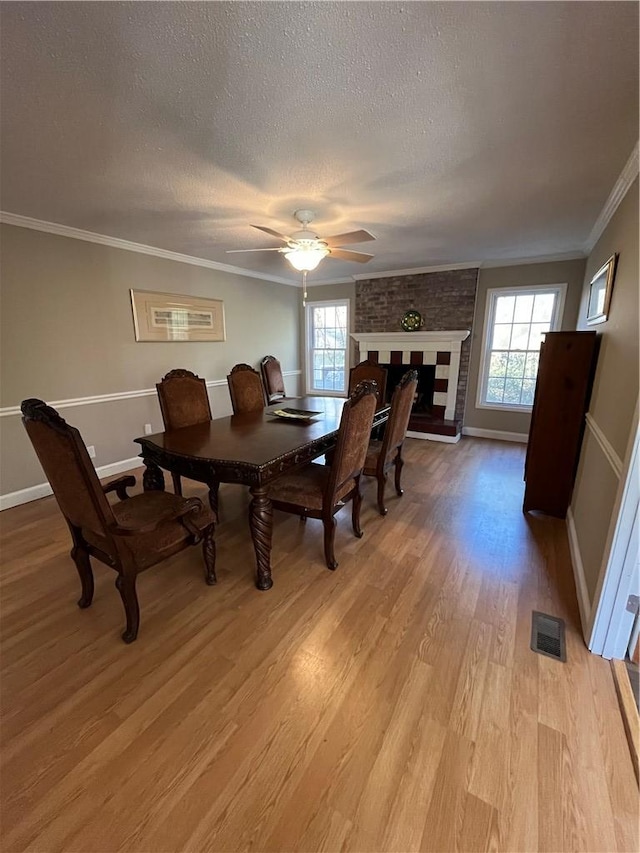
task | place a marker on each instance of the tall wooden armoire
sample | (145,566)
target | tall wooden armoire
(565,375)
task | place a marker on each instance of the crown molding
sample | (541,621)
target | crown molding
(329,281)
(576,255)
(416,271)
(117,243)
(626,177)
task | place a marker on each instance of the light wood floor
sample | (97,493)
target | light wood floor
(392,705)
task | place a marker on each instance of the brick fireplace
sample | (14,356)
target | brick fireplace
(446,300)
(436,356)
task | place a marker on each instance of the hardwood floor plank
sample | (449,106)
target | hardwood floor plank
(445,818)
(392,705)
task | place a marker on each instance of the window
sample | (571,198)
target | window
(516,321)
(327,347)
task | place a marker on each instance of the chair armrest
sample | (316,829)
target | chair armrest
(120,486)
(191,505)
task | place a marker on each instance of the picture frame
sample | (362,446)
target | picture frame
(600,292)
(176,317)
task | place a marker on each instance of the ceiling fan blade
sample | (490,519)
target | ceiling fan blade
(346,255)
(273,233)
(235,251)
(349,238)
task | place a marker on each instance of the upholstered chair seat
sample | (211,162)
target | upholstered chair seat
(139,512)
(128,536)
(305,487)
(317,491)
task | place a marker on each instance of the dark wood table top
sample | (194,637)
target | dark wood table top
(251,448)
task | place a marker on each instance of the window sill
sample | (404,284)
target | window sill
(503,407)
(313,393)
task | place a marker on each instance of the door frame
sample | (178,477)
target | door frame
(611,624)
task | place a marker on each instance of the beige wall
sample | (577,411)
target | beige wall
(615,390)
(524,275)
(67,332)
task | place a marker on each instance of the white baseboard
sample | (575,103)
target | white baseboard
(42,490)
(431,436)
(497,434)
(582,592)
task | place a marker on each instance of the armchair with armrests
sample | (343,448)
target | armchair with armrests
(386,454)
(272,379)
(245,389)
(183,402)
(129,536)
(318,491)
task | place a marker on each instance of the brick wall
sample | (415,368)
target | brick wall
(446,301)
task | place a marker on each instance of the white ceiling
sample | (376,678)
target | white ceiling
(455,132)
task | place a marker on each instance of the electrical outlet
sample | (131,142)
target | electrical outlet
(147,429)
(91,451)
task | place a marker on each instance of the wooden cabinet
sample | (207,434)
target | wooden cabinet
(565,375)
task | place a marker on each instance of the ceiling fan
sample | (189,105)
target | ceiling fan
(304,249)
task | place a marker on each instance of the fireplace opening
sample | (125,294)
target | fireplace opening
(423,403)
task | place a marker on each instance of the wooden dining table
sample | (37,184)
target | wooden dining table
(251,450)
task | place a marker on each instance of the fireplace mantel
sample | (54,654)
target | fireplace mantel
(385,339)
(441,349)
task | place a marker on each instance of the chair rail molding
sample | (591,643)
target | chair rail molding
(43,490)
(605,445)
(9,411)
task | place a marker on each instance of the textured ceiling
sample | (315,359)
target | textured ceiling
(453,131)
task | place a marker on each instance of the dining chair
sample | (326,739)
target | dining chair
(319,491)
(369,371)
(246,389)
(272,378)
(184,402)
(386,454)
(129,536)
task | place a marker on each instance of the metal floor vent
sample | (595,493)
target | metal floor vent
(547,636)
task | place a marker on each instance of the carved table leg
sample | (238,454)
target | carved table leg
(214,485)
(209,554)
(153,478)
(261,523)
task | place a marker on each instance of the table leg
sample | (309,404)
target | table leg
(261,523)
(153,478)
(214,485)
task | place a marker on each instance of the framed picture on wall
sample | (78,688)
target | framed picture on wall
(600,292)
(175,317)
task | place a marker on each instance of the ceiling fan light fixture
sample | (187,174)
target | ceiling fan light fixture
(305,259)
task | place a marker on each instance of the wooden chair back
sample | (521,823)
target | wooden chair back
(369,371)
(353,438)
(398,423)
(246,390)
(272,379)
(68,468)
(183,399)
